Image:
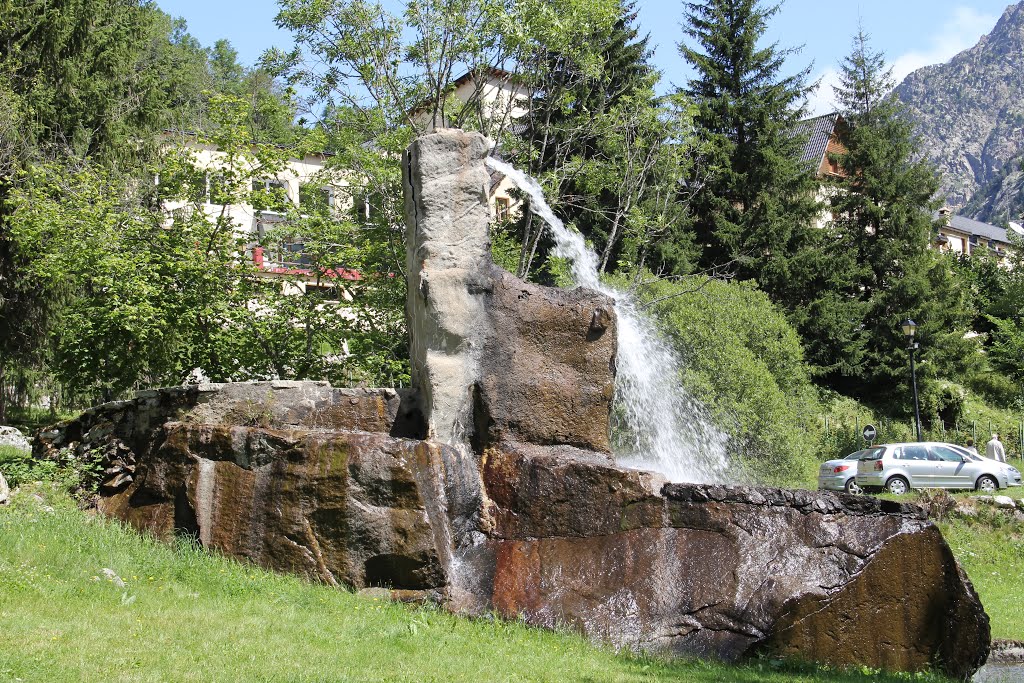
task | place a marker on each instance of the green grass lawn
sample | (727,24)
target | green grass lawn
(991,551)
(186,615)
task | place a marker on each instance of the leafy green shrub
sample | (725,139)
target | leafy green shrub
(996,387)
(69,473)
(745,361)
(19,468)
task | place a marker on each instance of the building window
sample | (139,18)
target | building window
(315,199)
(366,206)
(286,254)
(270,194)
(501,208)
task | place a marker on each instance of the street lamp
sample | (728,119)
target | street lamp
(909,330)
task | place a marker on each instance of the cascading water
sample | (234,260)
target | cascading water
(656,423)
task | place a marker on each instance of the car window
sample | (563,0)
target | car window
(912,453)
(969,456)
(855,456)
(872,453)
(946,454)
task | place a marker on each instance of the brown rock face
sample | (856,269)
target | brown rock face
(920,608)
(557,535)
(338,506)
(494,357)
(727,571)
(547,371)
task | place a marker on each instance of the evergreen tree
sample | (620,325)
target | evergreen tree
(620,95)
(589,132)
(883,207)
(754,215)
(71,85)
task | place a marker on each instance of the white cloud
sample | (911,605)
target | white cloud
(961,31)
(958,33)
(822,100)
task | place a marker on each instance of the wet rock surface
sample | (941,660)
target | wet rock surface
(547,367)
(495,358)
(728,571)
(340,507)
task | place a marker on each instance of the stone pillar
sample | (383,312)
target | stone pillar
(494,358)
(448,268)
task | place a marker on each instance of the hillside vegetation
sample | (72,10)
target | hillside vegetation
(744,359)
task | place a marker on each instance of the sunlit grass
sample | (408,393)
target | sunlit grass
(185,615)
(990,547)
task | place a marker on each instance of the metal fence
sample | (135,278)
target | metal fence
(842,437)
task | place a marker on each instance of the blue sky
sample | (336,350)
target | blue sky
(912,33)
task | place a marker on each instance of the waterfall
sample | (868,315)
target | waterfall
(656,423)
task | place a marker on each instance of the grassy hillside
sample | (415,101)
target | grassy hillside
(990,548)
(185,615)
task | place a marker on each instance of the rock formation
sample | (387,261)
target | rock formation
(11,437)
(490,486)
(495,358)
(969,113)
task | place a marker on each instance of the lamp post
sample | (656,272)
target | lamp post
(909,330)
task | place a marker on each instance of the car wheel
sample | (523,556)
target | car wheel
(897,486)
(851,486)
(987,484)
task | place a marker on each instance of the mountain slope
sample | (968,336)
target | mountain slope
(971,116)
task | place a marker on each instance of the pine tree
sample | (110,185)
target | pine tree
(884,216)
(623,146)
(754,216)
(578,118)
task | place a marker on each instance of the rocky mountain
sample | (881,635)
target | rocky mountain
(971,116)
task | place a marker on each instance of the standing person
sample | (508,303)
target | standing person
(994,449)
(970,446)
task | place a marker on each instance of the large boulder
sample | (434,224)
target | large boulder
(338,506)
(122,433)
(11,437)
(726,571)
(494,357)
(560,536)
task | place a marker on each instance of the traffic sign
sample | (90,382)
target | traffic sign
(869,433)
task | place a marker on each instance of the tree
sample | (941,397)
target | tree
(382,85)
(593,135)
(88,86)
(158,286)
(754,216)
(74,82)
(882,208)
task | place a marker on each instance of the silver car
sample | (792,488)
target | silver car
(840,475)
(899,467)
